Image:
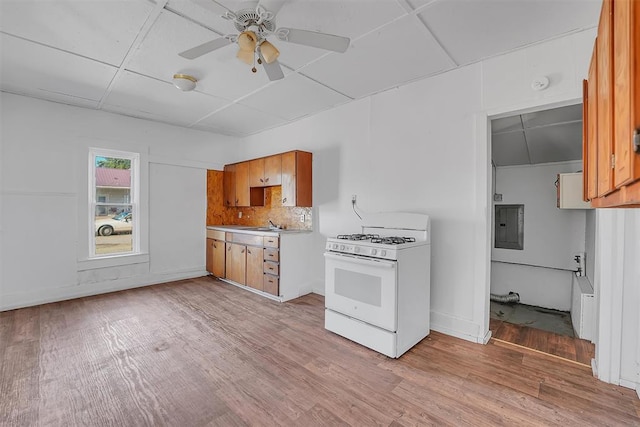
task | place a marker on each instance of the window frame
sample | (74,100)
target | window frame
(134,200)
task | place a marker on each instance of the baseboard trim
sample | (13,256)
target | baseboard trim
(28,299)
(456,327)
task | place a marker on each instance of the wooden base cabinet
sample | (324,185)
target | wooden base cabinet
(215,253)
(276,264)
(611,147)
(254,267)
(236,262)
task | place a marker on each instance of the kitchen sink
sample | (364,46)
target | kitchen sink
(264,229)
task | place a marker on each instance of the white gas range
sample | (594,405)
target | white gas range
(377,282)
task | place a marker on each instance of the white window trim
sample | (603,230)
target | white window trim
(134,202)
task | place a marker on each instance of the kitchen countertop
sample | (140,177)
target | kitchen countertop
(256,230)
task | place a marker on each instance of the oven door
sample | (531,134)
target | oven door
(362,288)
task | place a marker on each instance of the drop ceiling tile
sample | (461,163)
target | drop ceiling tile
(509,149)
(102,30)
(472,30)
(240,120)
(66,78)
(293,97)
(380,60)
(506,124)
(145,97)
(555,143)
(219,73)
(570,113)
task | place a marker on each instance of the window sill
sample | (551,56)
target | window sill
(112,261)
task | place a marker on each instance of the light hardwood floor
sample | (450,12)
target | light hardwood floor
(570,348)
(201,352)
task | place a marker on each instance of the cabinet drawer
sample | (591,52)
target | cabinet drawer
(215,234)
(271,254)
(271,242)
(271,284)
(247,239)
(271,268)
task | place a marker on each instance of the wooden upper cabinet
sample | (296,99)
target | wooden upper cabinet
(604,97)
(256,173)
(623,95)
(242,184)
(273,170)
(229,185)
(296,178)
(265,171)
(613,108)
(590,155)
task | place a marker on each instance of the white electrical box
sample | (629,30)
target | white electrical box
(569,188)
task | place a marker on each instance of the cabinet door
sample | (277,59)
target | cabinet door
(209,256)
(591,158)
(624,71)
(254,267)
(236,263)
(289,178)
(273,170)
(256,173)
(218,255)
(229,185)
(605,100)
(242,184)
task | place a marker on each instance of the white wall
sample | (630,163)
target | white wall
(421,148)
(44,191)
(617,279)
(542,272)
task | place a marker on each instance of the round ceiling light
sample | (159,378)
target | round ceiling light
(184,82)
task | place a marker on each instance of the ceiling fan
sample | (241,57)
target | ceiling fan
(255,23)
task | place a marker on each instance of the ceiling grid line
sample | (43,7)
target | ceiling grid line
(144,30)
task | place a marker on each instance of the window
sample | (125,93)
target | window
(113,203)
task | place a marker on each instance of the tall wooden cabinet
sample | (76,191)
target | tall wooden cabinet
(611,153)
(296,179)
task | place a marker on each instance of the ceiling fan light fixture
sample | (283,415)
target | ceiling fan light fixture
(247,41)
(245,56)
(269,52)
(184,82)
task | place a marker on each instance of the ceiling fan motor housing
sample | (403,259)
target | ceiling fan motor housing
(247,18)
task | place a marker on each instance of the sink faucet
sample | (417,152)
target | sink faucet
(272,225)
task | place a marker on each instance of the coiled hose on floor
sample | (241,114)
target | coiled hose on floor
(511,297)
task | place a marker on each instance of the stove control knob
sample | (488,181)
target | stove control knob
(342,247)
(374,251)
(383,253)
(335,246)
(357,249)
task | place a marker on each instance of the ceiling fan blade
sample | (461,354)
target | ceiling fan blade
(204,48)
(314,39)
(213,6)
(273,70)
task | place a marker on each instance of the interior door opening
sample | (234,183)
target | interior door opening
(542,248)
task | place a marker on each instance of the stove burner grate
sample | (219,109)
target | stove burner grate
(357,236)
(393,240)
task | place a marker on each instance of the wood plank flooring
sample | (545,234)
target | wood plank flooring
(200,352)
(574,349)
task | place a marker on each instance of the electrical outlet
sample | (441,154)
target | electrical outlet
(353,199)
(239,214)
(302,218)
(497,197)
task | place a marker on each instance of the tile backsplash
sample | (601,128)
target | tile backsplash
(256,216)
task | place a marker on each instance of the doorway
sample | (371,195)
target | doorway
(540,265)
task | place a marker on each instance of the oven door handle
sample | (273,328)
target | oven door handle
(361,260)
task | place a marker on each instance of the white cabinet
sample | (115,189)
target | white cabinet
(583,308)
(570,187)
